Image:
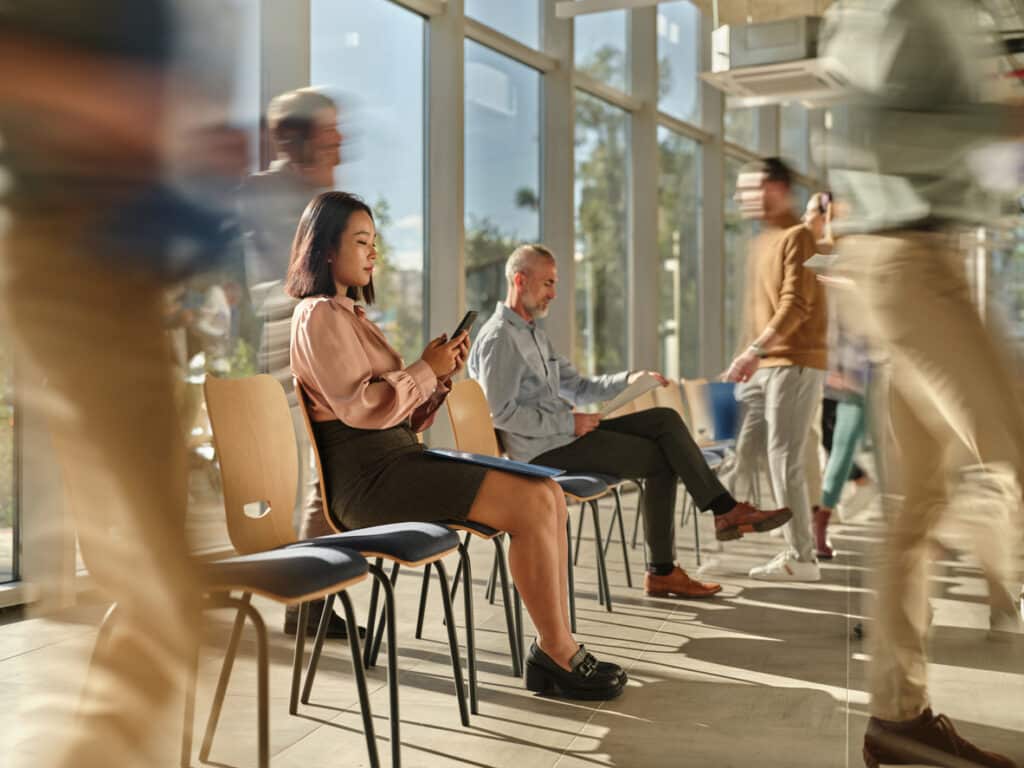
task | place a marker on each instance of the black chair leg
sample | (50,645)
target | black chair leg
(371,617)
(245,610)
(602,570)
(467,599)
(579,535)
(506,599)
(463,557)
(572,577)
(423,601)
(389,614)
(225,675)
(297,658)
(380,627)
(453,642)
(360,674)
(190,709)
(636,525)
(318,646)
(520,643)
(617,519)
(696,530)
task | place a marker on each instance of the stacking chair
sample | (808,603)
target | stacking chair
(285,576)
(255,444)
(474,432)
(288,576)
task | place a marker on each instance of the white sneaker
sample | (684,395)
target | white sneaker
(785,567)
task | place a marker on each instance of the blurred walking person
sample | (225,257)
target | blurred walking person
(114,156)
(903,164)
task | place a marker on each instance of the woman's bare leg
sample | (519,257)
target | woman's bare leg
(529,511)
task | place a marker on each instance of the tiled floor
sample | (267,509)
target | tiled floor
(766,675)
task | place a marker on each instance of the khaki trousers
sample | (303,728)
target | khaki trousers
(947,384)
(98,373)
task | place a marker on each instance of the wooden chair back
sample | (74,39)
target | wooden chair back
(470,418)
(702,423)
(255,443)
(672,397)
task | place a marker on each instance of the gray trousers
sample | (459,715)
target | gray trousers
(655,445)
(779,405)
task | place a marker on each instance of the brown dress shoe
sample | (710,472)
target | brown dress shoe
(677,584)
(746,518)
(926,740)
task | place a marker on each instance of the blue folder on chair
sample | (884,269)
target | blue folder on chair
(493,462)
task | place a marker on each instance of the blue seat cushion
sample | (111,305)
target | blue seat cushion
(479,528)
(713,459)
(408,542)
(285,574)
(583,486)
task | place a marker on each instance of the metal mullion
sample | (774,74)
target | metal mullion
(614,96)
(739,152)
(426,8)
(503,44)
(684,128)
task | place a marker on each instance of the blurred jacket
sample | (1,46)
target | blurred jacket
(900,153)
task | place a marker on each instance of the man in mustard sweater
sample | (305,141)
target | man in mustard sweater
(783,367)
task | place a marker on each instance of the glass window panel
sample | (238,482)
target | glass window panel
(601,191)
(793,136)
(519,19)
(679,238)
(8,473)
(372,53)
(210,321)
(738,233)
(679,44)
(741,127)
(245,99)
(502,187)
(602,48)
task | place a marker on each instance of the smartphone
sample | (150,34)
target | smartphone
(467,322)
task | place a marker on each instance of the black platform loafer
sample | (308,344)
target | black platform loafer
(588,679)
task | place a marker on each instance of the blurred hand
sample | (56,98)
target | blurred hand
(442,356)
(742,368)
(585,423)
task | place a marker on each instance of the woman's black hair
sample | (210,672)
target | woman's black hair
(316,243)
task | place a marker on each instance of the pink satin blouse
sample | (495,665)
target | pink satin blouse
(348,370)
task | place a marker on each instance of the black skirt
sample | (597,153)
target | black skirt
(378,476)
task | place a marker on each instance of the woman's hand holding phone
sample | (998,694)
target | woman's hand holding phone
(446,357)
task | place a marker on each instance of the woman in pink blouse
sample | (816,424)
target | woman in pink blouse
(366,406)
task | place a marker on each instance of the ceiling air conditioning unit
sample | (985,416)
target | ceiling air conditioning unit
(773,62)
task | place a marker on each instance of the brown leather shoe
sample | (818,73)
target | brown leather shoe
(926,740)
(746,518)
(677,584)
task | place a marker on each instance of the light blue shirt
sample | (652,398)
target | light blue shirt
(530,388)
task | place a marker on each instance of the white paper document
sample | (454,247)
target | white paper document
(643,384)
